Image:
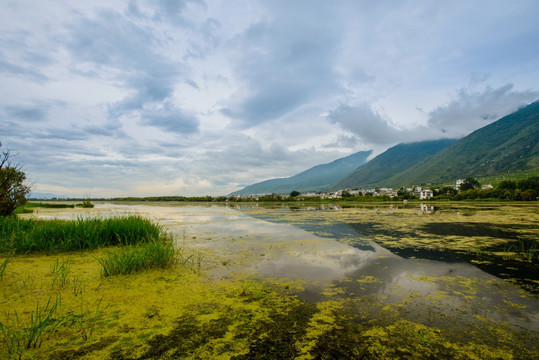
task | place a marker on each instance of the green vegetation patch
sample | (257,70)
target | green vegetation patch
(158,254)
(31,236)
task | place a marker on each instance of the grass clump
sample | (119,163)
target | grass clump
(131,259)
(3,266)
(33,236)
(60,272)
(17,336)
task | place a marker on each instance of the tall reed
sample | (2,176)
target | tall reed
(130,259)
(3,266)
(30,235)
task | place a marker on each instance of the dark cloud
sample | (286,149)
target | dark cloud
(284,66)
(33,111)
(347,141)
(171,119)
(469,110)
(368,125)
(30,73)
(114,41)
(32,114)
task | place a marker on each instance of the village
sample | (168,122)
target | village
(418,192)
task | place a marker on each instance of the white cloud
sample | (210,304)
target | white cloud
(192,97)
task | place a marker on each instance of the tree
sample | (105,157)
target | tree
(13,191)
(507,185)
(294,193)
(469,183)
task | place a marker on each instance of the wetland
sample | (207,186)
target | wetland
(282,281)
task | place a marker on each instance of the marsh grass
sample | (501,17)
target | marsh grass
(88,319)
(30,236)
(60,272)
(528,249)
(17,336)
(48,205)
(192,260)
(3,267)
(86,203)
(131,259)
(77,285)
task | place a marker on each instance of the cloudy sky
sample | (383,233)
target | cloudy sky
(194,97)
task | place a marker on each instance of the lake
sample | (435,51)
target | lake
(463,268)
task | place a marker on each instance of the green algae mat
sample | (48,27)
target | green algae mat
(302,282)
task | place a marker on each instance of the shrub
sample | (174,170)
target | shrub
(13,189)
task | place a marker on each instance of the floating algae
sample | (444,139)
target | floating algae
(276,283)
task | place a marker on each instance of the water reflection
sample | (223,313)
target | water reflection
(312,249)
(429,209)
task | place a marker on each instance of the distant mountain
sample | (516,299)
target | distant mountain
(507,145)
(37,195)
(317,178)
(393,161)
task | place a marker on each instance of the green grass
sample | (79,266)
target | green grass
(49,205)
(23,236)
(18,336)
(3,266)
(132,259)
(60,272)
(528,249)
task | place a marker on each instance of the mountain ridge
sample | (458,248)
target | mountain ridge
(394,160)
(316,178)
(506,145)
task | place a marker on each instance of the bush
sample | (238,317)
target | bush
(528,195)
(13,191)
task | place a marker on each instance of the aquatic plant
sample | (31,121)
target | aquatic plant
(18,336)
(30,235)
(3,266)
(131,259)
(88,319)
(86,203)
(77,285)
(528,250)
(192,260)
(60,272)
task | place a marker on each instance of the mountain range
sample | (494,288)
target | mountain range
(393,161)
(506,145)
(319,177)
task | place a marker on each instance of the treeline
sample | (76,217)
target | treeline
(522,190)
(162,198)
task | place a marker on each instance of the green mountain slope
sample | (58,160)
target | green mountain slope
(317,178)
(507,145)
(394,160)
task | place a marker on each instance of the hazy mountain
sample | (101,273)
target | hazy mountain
(317,178)
(38,195)
(507,145)
(393,161)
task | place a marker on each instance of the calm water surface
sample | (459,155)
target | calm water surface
(310,247)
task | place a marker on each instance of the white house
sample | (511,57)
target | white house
(426,194)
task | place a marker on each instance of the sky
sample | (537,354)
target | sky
(108,98)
